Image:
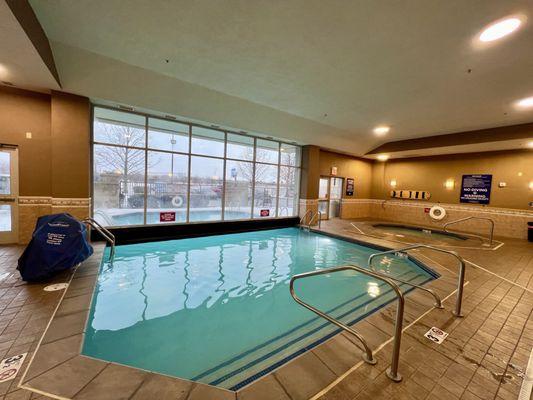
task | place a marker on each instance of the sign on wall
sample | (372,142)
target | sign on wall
(476,189)
(167,216)
(349,186)
(334,171)
(264,213)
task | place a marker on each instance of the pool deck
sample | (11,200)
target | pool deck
(484,357)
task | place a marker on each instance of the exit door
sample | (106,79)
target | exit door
(8,195)
(329,196)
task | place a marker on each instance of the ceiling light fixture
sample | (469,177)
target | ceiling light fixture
(500,29)
(530,144)
(525,103)
(382,157)
(381,130)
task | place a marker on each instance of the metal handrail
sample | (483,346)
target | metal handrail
(104,232)
(462,267)
(319,214)
(491,236)
(368,357)
(304,217)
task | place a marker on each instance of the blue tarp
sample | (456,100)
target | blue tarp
(59,242)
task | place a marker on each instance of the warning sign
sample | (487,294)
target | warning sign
(9,367)
(167,216)
(436,335)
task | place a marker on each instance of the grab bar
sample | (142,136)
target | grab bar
(319,214)
(368,357)
(304,217)
(491,236)
(104,232)
(462,267)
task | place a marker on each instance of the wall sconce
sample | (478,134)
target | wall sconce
(393,183)
(531,185)
(449,184)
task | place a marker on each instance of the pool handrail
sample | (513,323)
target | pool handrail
(392,371)
(462,268)
(106,234)
(302,220)
(319,214)
(491,235)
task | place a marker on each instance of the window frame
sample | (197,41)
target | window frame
(147,149)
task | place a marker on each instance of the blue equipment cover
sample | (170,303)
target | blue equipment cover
(59,242)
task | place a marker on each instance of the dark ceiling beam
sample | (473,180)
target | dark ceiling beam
(27,19)
(512,132)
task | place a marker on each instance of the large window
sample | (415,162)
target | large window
(150,170)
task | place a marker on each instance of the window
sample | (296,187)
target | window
(266,190)
(207,179)
(239,187)
(168,135)
(150,170)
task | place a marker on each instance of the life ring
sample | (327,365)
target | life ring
(437,213)
(177,201)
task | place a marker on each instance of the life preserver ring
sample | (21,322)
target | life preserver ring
(177,201)
(437,213)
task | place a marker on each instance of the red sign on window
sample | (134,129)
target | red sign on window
(167,216)
(426,209)
(265,213)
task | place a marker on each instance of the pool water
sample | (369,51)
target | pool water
(218,310)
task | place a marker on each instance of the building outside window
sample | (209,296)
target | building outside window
(148,170)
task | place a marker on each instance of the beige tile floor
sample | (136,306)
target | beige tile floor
(483,358)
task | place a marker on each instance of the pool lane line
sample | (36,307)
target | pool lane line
(20,385)
(498,276)
(377,350)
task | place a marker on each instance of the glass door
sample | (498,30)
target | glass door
(8,195)
(335,196)
(323,196)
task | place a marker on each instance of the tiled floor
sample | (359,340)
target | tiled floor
(483,358)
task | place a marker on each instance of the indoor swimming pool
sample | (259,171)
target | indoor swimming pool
(217,309)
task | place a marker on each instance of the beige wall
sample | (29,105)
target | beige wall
(348,167)
(21,112)
(429,174)
(54,166)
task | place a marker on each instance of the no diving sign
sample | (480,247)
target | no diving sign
(436,335)
(9,367)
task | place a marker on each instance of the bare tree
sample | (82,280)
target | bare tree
(122,160)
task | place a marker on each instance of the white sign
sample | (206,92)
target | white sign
(55,286)
(9,367)
(436,335)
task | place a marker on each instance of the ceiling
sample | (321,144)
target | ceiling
(316,72)
(20,62)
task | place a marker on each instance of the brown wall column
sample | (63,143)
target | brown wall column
(70,128)
(310,172)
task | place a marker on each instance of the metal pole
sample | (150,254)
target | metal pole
(460,287)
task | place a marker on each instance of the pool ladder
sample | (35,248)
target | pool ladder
(106,234)
(491,232)
(368,357)
(313,215)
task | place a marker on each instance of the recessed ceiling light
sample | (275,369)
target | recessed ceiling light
(525,103)
(382,157)
(500,29)
(381,130)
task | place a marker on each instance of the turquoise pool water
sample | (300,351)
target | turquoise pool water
(218,310)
